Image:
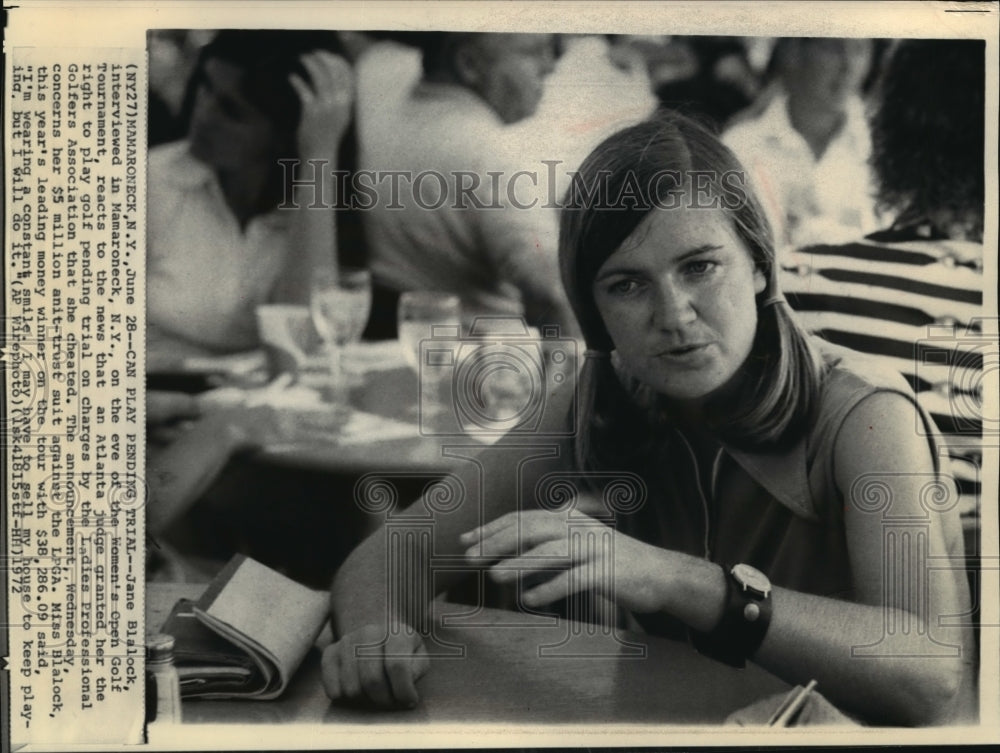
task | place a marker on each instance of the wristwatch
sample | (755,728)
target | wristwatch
(745,618)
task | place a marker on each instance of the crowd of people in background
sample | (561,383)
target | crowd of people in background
(793,111)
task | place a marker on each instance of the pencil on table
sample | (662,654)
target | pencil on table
(791,706)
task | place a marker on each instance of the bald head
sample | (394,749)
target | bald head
(506,70)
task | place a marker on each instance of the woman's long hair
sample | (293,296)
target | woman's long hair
(649,165)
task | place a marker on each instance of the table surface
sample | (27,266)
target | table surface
(389,393)
(384,387)
(501,676)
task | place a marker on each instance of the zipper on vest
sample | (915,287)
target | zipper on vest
(701,491)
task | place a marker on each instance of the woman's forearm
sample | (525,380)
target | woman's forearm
(326,94)
(313,235)
(815,637)
(382,578)
(822,638)
(366,591)
(360,590)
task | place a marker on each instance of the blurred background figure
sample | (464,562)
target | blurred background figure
(172,55)
(807,151)
(218,244)
(458,233)
(712,78)
(912,294)
(599,85)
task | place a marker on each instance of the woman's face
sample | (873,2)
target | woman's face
(227,131)
(678,300)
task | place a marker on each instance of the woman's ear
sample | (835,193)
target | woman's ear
(759,281)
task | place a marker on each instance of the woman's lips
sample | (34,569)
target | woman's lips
(684,353)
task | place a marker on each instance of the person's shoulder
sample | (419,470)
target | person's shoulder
(173,177)
(848,378)
(755,121)
(173,165)
(447,126)
(450,102)
(847,372)
(849,383)
(171,153)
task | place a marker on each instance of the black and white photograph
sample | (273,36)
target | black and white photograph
(532,382)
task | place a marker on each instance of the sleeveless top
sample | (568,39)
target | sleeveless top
(779,511)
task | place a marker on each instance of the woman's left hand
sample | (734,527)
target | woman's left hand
(326,104)
(636,575)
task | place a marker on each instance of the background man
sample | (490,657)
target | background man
(461,234)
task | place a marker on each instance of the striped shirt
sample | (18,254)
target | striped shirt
(918,304)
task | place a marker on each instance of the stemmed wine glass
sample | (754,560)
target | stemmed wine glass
(419,312)
(340,302)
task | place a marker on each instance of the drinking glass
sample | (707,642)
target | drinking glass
(340,302)
(419,312)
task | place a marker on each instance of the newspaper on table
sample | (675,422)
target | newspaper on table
(73,434)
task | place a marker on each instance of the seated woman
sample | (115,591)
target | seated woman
(219,243)
(775,467)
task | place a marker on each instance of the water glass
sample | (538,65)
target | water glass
(419,312)
(340,302)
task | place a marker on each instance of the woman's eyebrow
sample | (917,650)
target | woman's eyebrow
(705,248)
(625,269)
(622,270)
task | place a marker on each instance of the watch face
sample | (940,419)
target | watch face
(752,578)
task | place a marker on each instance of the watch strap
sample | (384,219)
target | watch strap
(745,619)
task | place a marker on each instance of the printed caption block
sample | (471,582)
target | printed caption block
(73,357)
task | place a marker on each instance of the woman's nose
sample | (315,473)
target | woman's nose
(673,306)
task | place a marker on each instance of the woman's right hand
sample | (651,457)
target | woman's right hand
(384,676)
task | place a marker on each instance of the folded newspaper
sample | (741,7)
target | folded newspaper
(247,634)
